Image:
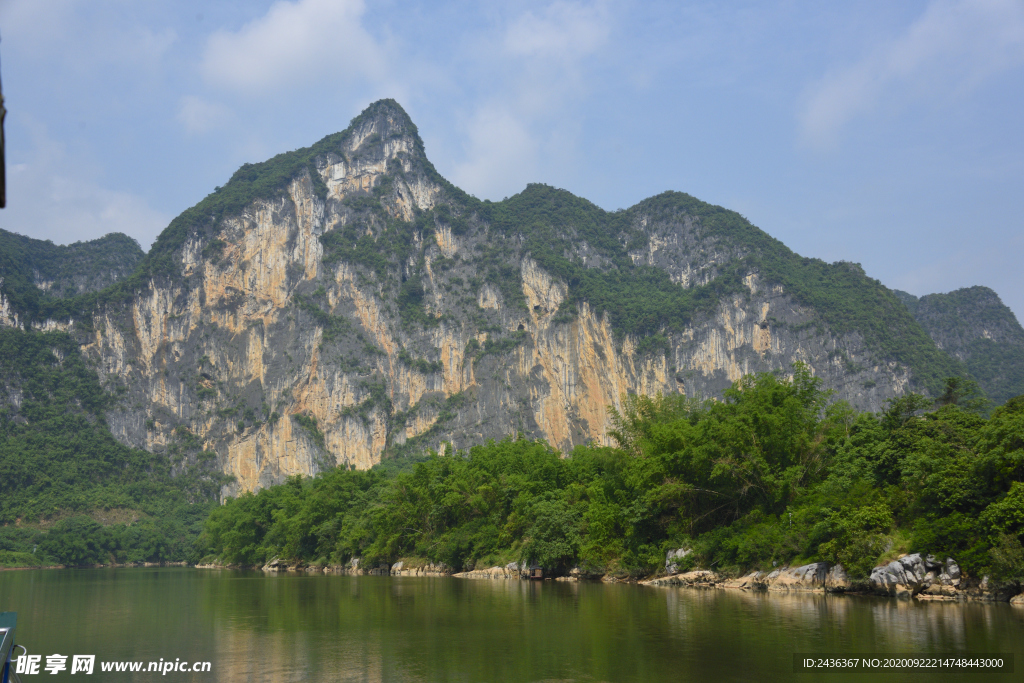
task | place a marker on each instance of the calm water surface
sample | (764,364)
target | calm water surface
(253,627)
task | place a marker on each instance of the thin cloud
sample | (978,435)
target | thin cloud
(293,45)
(563,30)
(85,37)
(951,49)
(200,116)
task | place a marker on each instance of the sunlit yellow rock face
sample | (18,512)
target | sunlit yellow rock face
(233,351)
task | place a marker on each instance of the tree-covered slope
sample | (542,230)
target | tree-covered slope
(974,326)
(34,272)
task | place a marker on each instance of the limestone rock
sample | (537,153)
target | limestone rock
(809,577)
(817,576)
(753,581)
(403,568)
(585,574)
(938,590)
(952,572)
(837,581)
(260,325)
(905,577)
(672,559)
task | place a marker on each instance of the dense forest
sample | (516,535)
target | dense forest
(775,473)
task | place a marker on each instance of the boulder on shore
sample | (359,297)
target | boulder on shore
(803,578)
(837,581)
(275,565)
(817,576)
(913,574)
(403,568)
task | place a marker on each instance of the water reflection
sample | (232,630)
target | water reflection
(254,627)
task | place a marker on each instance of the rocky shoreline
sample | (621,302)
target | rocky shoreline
(915,576)
(909,577)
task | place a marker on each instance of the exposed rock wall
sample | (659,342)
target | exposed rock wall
(285,360)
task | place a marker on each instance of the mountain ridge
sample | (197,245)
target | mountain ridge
(343,302)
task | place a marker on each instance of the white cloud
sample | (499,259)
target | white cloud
(543,62)
(295,44)
(564,30)
(952,48)
(200,116)
(51,197)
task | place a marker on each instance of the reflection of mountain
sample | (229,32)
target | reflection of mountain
(255,628)
(343,302)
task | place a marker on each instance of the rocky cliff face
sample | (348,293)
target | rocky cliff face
(363,307)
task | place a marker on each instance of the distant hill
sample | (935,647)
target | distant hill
(974,326)
(36,271)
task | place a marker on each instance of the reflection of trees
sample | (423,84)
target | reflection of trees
(255,627)
(838,623)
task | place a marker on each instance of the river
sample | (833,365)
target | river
(253,627)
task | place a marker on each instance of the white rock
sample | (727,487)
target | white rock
(673,557)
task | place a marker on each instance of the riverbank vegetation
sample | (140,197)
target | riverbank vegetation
(775,473)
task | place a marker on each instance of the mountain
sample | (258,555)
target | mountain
(974,326)
(37,273)
(344,303)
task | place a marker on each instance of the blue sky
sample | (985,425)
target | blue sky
(884,133)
